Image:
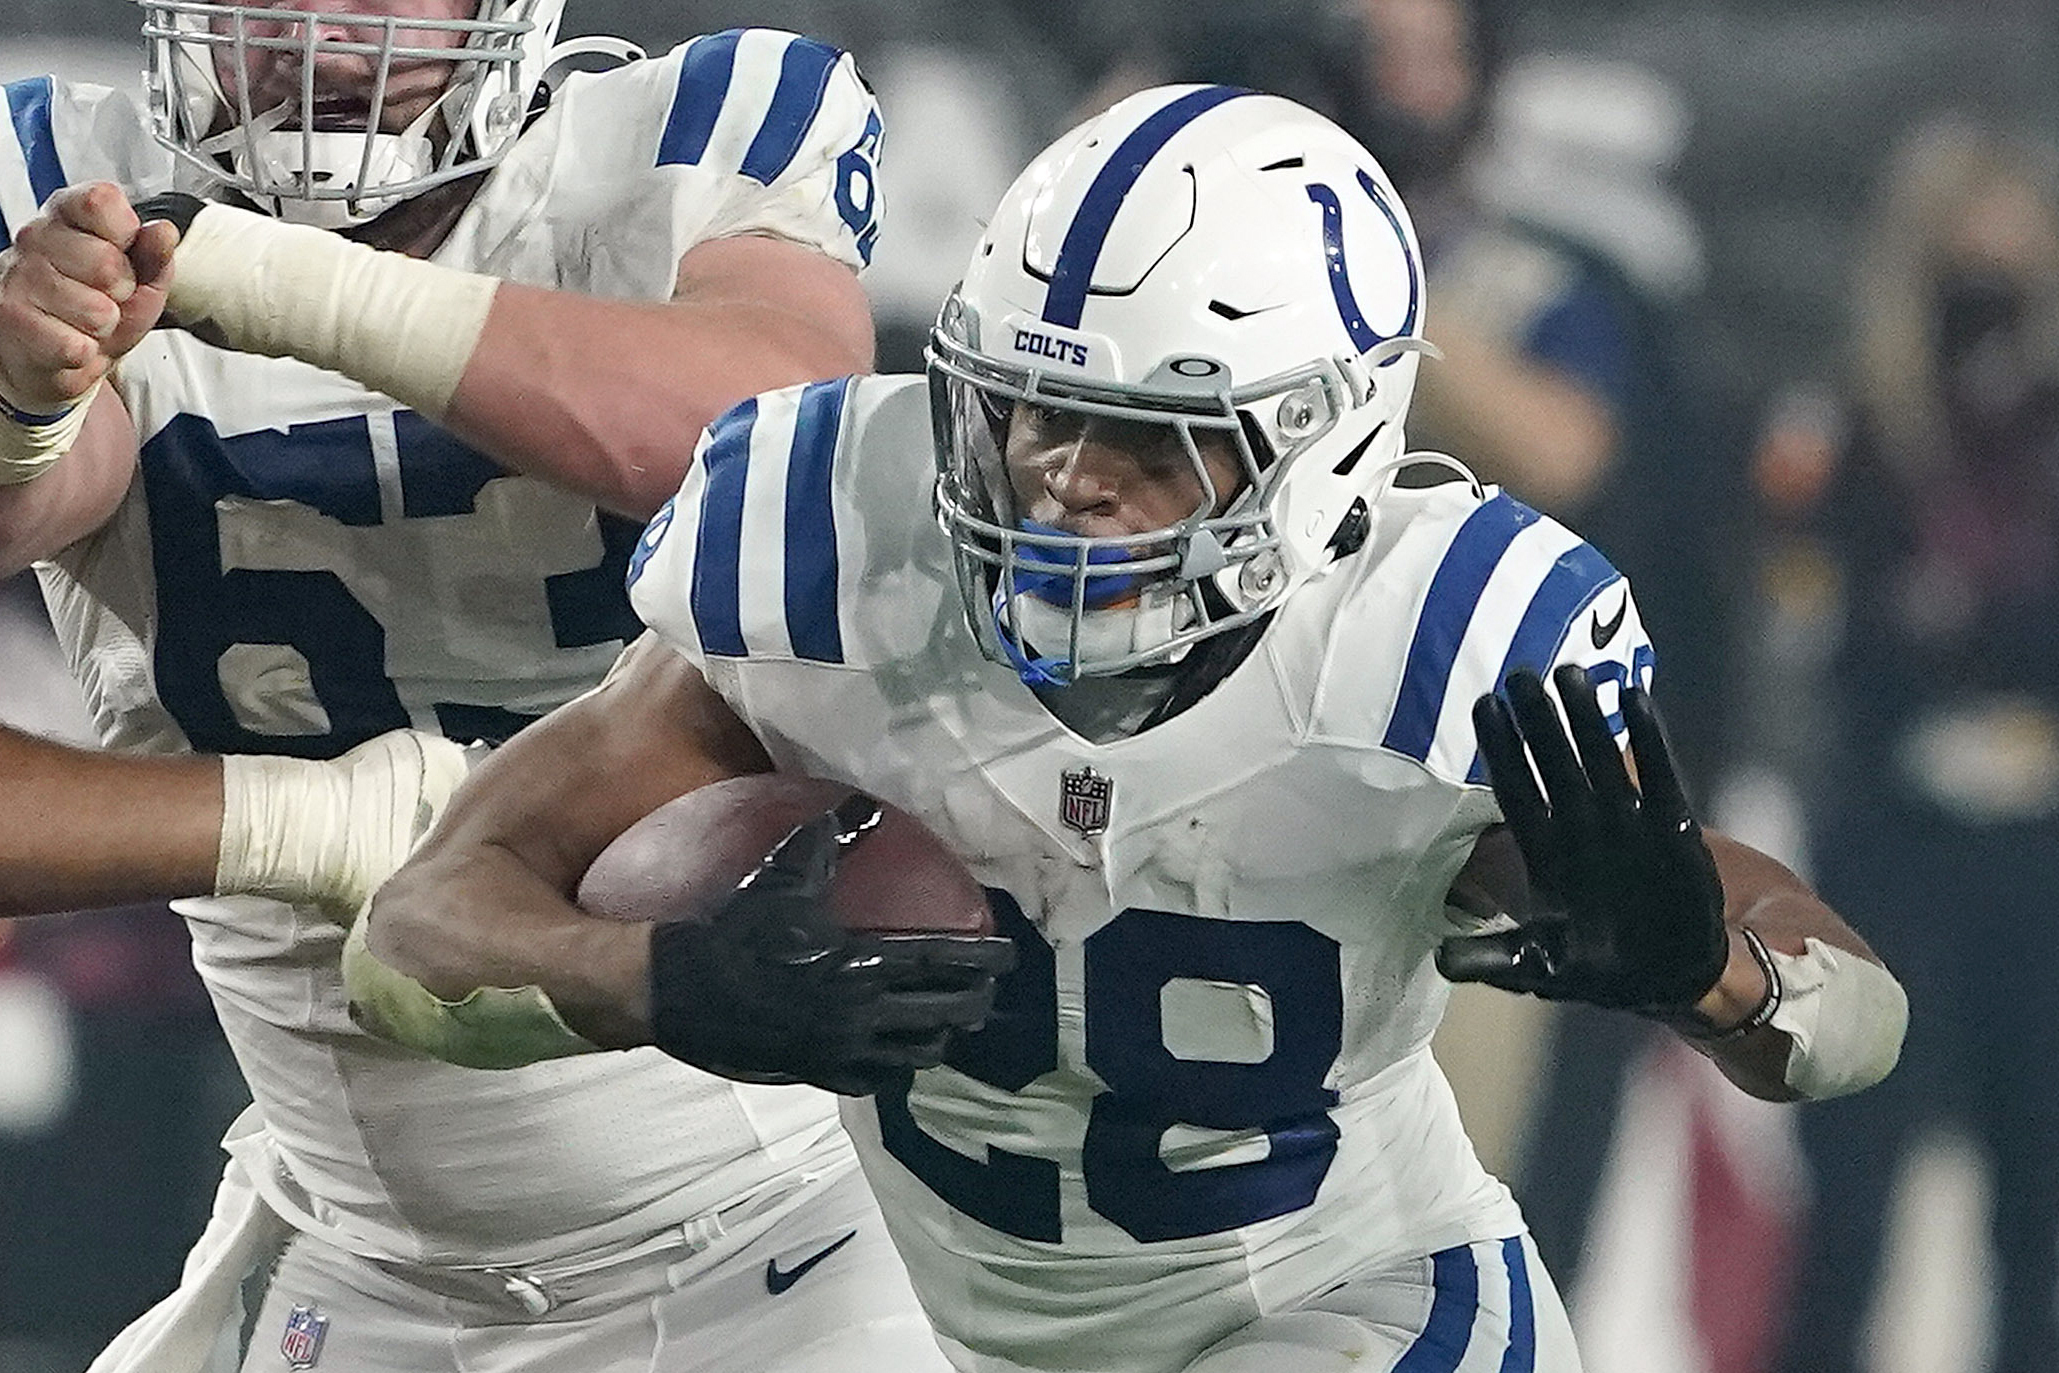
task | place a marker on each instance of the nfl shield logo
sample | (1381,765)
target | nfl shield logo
(1084,796)
(302,1342)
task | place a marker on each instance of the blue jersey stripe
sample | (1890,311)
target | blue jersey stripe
(717,598)
(1442,1345)
(811,567)
(1073,275)
(704,74)
(1522,1351)
(804,74)
(28,104)
(1447,611)
(1580,574)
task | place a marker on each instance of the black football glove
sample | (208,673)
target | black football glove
(772,988)
(1634,906)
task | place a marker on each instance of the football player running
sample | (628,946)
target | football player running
(1249,721)
(440,337)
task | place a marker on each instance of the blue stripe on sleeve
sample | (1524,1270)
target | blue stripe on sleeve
(28,104)
(1580,574)
(804,73)
(811,568)
(716,596)
(1442,1345)
(1072,276)
(1522,1351)
(1447,611)
(704,73)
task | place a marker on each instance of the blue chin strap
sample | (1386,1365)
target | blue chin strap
(1040,572)
(1034,672)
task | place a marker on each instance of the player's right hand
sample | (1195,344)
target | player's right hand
(81,285)
(772,988)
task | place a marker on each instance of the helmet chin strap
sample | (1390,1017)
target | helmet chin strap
(269,156)
(1103,634)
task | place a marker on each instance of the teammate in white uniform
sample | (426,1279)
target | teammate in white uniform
(258,554)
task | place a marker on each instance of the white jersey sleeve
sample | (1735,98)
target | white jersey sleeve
(745,131)
(760,554)
(1511,589)
(59,134)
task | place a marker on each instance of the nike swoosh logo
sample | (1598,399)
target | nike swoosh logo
(777,1280)
(1603,631)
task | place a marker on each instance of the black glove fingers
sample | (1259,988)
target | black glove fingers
(803,862)
(932,1011)
(1565,784)
(1519,960)
(934,957)
(1664,800)
(1508,766)
(1599,756)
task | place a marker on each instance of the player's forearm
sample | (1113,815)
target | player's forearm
(86,829)
(75,494)
(479,916)
(603,397)
(1763,896)
(486,902)
(608,397)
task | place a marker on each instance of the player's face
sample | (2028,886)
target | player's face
(344,81)
(1103,478)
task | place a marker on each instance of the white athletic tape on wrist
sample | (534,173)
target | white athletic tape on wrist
(490,1027)
(399,325)
(1846,1016)
(328,834)
(30,444)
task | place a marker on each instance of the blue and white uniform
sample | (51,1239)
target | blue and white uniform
(1206,1095)
(301,565)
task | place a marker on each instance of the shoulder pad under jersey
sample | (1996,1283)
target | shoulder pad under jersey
(801,506)
(1475,586)
(754,131)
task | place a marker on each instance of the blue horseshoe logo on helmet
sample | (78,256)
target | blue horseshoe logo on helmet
(1362,334)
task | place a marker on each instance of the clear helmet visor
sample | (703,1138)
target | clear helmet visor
(332,118)
(1057,604)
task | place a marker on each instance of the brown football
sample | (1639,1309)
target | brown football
(682,858)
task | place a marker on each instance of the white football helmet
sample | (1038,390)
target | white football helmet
(1201,258)
(299,158)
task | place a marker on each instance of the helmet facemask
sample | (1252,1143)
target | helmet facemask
(320,157)
(1229,267)
(1060,606)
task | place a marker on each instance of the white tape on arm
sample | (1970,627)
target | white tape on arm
(394,323)
(31,444)
(328,833)
(1846,1015)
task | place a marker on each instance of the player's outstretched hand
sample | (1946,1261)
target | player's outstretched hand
(772,988)
(1633,907)
(84,281)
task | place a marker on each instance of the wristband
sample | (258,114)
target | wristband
(1769,1004)
(31,444)
(399,325)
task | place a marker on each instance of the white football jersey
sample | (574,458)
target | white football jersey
(301,565)
(1206,1092)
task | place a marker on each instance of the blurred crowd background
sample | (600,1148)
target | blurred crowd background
(1762,296)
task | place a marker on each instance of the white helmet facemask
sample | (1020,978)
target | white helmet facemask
(1214,271)
(314,157)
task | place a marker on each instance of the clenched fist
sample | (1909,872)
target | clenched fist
(82,284)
